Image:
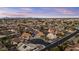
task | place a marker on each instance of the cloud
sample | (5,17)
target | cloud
(26,9)
(29,10)
(22,12)
(64,11)
(13,14)
(8,12)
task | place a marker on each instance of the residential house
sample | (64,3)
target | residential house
(15,41)
(51,36)
(26,47)
(39,34)
(25,36)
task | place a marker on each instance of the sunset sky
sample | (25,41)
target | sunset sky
(38,11)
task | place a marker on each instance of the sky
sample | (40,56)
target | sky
(38,11)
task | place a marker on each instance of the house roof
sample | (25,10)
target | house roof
(16,39)
(40,33)
(24,34)
(73,47)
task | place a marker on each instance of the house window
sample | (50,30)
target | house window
(24,47)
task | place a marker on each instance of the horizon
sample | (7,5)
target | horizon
(44,17)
